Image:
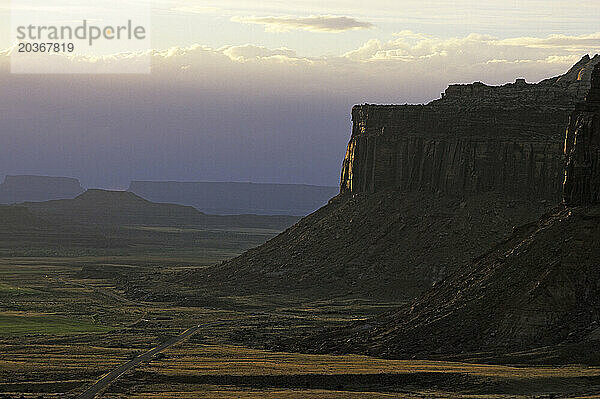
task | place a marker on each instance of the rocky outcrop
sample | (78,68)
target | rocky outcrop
(476,138)
(387,245)
(582,150)
(425,189)
(16,189)
(122,208)
(533,298)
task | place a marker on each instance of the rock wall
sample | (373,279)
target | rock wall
(500,149)
(476,138)
(582,150)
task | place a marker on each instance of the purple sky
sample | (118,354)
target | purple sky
(248,112)
(108,130)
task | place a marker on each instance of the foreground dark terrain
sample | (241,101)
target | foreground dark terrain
(62,332)
(69,319)
(533,298)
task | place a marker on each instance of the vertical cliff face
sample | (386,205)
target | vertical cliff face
(493,156)
(428,155)
(476,138)
(582,150)
(534,296)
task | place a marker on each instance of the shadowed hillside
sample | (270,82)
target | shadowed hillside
(118,222)
(538,289)
(386,245)
(19,217)
(100,207)
(425,189)
(538,293)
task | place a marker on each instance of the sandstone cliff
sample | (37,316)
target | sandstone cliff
(533,298)
(425,189)
(476,138)
(582,150)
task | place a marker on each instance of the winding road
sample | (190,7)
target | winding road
(109,378)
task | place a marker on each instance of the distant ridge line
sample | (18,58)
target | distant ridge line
(238,197)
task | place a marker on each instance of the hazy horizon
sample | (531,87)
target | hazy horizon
(247,92)
(127,186)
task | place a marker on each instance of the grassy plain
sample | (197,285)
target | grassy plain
(62,328)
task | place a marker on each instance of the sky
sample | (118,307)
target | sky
(262,91)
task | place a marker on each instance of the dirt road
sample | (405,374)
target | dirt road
(109,378)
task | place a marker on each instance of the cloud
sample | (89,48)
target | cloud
(241,112)
(409,34)
(424,63)
(407,58)
(475,49)
(316,23)
(249,51)
(571,43)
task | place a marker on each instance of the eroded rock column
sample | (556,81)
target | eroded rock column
(582,150)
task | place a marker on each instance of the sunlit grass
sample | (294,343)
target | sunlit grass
(18,324)
(235,360)
(14,290)
(59,332)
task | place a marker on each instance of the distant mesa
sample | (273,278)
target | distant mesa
(106,207)
(101,220)
(238,198)
(226,198)
(123,208)
(110,197)
(21,188)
